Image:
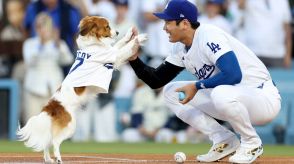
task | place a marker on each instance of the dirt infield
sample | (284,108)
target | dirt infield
(121,158)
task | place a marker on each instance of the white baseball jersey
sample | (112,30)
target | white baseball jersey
(93,65)
(208,45)
(255,100)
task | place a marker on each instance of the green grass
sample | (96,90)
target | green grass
(137,148)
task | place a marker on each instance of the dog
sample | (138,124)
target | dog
(89,75)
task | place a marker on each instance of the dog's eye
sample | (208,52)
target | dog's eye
(108,27)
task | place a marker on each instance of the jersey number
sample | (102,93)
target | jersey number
(214,47)
(79,62)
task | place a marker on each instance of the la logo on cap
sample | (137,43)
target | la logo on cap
(182,16)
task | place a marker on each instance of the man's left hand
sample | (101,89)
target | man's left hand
(190,90)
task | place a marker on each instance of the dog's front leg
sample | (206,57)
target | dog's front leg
(124,53)
(47,158)
(128,36)
(129,50)
(56,145)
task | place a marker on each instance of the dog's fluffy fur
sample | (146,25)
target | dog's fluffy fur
(57,122)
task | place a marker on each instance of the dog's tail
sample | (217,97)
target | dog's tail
(37,132)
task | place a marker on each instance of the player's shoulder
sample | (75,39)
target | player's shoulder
(177,48)
(208,29)
(208,32)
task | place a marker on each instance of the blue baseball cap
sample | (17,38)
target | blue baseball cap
(178,10)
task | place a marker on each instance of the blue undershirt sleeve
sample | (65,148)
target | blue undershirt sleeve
(230,72)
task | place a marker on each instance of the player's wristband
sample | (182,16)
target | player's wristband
(200,85)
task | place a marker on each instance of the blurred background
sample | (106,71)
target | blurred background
(37,47)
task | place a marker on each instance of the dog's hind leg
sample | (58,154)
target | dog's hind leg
(56,145)
(47,158)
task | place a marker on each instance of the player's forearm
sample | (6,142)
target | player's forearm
(146,74)
(219,79)
(155,78)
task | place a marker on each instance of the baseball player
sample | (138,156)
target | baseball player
(233,84)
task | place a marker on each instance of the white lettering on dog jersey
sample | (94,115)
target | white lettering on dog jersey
(83,55)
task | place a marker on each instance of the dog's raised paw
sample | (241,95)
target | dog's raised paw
(142,38)
(129,34)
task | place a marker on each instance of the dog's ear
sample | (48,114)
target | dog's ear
(85,30)
(103,29)
(94,26)
(86,25)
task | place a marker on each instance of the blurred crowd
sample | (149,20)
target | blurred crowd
(37,47)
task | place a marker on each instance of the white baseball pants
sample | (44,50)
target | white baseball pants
(241,106)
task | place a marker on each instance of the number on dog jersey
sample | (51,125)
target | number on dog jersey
(81,56)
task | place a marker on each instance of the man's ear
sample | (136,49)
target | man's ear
(186,24)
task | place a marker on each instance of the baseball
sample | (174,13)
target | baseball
(182,96)
(180,157)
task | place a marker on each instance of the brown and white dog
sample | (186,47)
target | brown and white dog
(90,75)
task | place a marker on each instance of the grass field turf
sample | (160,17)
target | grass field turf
(149,152)
(137,148)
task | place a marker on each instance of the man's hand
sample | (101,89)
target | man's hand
(134,57)
(190,90)
(136,46)
(139,41)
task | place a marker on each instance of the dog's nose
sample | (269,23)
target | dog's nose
(117,32)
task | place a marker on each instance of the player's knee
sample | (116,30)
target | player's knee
(168,88)
(169,93)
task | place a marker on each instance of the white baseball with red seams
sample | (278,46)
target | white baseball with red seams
(180,157)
